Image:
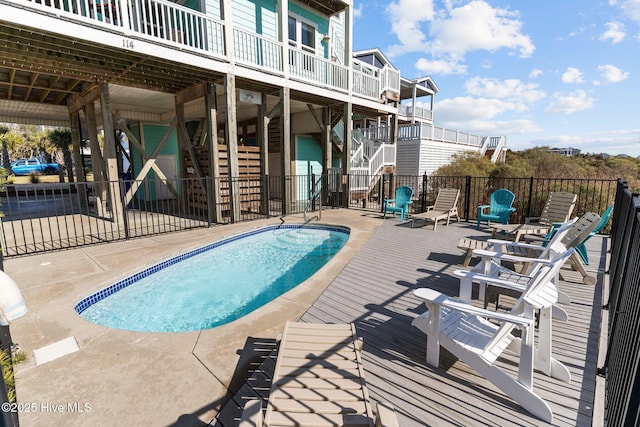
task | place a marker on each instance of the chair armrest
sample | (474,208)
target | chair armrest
(508,257)
(252,414)
(386,415)
(481,208)
(434,297)
(531,219)
(429,208)
(474,276)
(512,244)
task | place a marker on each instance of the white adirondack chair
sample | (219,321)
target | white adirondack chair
(470,334)
(497,251)
(532,256)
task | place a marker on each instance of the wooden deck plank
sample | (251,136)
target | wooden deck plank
(375,291)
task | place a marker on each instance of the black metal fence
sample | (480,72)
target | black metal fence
(44,217)
(594,195)
(622,363)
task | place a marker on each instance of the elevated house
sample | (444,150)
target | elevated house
(235,90)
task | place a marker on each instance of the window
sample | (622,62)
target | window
(302,34)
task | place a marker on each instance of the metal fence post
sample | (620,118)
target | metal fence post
(125,215)
(424,192)
(530,197)
(467,197)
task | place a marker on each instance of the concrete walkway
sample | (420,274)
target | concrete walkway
(130,378)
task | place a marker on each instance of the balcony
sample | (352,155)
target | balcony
(169,25)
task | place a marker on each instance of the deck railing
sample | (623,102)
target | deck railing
(411,111)
(417,131)
(188,29)
(622,362)
(254,49)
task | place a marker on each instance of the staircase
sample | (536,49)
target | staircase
(369,161)
(494,147)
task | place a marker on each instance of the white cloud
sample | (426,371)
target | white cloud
(535,73)
(612,74)
(455,31)
(631,8)
(572,75)
(467,109)
(440,66)
(357,11)
(615,32)
(571,103)
(478,26)
(406,18)
(512,89)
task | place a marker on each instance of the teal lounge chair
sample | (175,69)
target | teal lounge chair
(400,203)
(500,208)
(604,219)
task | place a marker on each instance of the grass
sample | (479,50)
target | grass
(7,362)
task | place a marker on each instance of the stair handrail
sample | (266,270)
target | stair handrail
(500,144)
(316,190)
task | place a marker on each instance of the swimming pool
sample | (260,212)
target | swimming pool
(215,284)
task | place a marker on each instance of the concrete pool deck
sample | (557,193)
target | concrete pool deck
(130,378)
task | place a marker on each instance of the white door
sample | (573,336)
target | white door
(167,164)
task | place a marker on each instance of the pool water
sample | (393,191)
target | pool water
(216,284)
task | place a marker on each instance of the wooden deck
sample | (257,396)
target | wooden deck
(375,292)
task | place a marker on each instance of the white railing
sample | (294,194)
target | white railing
(390,79)
(415,111)
(156,19)
(435,133)
(498,143)
(366,85)
(384,156)
(316,69)
(380,134)
(254,49)
(168,22)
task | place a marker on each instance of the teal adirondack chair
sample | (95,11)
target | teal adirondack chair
(604,219)
(400,203)
(500,208)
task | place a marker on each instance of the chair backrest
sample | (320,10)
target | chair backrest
(540,292)
(606,215)
(447,199)
(581,230)
(501,201)
(558,207)
(403,196)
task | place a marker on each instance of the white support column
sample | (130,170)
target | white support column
(262,134)
(231,136)
(283,27)
(211,109)
(110,154)
(226,16)
(285,148)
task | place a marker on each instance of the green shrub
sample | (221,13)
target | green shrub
(7,371)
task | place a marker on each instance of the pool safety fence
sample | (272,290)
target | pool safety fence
(43,217)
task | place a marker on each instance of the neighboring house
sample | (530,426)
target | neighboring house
(569,151)
(230,89)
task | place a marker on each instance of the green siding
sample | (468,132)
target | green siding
(259,16)
(152,136)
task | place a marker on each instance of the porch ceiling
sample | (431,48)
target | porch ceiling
(327,7)
(38,71)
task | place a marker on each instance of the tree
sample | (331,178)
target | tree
(6,161)
(467,163)
(61,139)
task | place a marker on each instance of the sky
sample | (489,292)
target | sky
(556,73)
